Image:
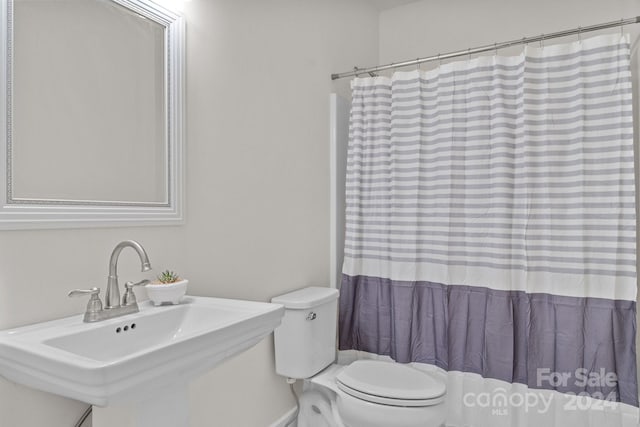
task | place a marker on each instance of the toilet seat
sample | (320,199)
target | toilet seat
(389,383)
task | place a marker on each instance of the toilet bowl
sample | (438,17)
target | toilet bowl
(365,393)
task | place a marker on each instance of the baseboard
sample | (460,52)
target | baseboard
(287,420)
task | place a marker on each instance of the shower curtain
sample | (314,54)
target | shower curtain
(491,232)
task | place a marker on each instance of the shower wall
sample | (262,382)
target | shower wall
(339,139)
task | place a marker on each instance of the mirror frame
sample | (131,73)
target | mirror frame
(43,213)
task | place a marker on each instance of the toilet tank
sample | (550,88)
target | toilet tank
(305,341)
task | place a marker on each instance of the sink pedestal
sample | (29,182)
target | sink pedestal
(164,408)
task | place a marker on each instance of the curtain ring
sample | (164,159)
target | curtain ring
(495,47)
(439,60)
(418,63)
(621,27)
(469,54)
(542,40)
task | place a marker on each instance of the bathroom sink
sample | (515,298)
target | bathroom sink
(130,356)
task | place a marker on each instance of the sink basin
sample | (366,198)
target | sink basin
(130,356)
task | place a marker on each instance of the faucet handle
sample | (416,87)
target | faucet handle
(129,297)
(94,306)
(81,292)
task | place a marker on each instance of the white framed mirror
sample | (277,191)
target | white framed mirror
(91,108)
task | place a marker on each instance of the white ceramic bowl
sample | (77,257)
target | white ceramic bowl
(170,292)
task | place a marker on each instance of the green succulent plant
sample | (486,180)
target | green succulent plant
(168,276)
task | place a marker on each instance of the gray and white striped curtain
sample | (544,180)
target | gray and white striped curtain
(491,226)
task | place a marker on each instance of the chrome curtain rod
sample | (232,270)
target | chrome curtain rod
(541,38)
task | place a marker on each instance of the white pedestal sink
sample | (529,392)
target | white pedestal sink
(144,359)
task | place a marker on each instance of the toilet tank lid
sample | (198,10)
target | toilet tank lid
(305,298)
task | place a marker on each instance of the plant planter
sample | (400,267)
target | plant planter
(166,293)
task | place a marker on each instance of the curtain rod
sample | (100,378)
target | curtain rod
(541,38)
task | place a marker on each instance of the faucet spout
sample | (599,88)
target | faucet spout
(112,296)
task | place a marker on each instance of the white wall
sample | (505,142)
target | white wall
(258,173)
(257,191)
(429,27)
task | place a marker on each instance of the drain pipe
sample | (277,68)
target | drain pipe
(84,416)
(291,382)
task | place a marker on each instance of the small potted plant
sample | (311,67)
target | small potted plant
(168,287)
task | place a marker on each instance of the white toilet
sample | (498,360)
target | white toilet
(365,393)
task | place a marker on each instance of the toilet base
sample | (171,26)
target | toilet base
(318,410)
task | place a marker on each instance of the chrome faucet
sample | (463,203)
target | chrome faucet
(112,297)
(113,307)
